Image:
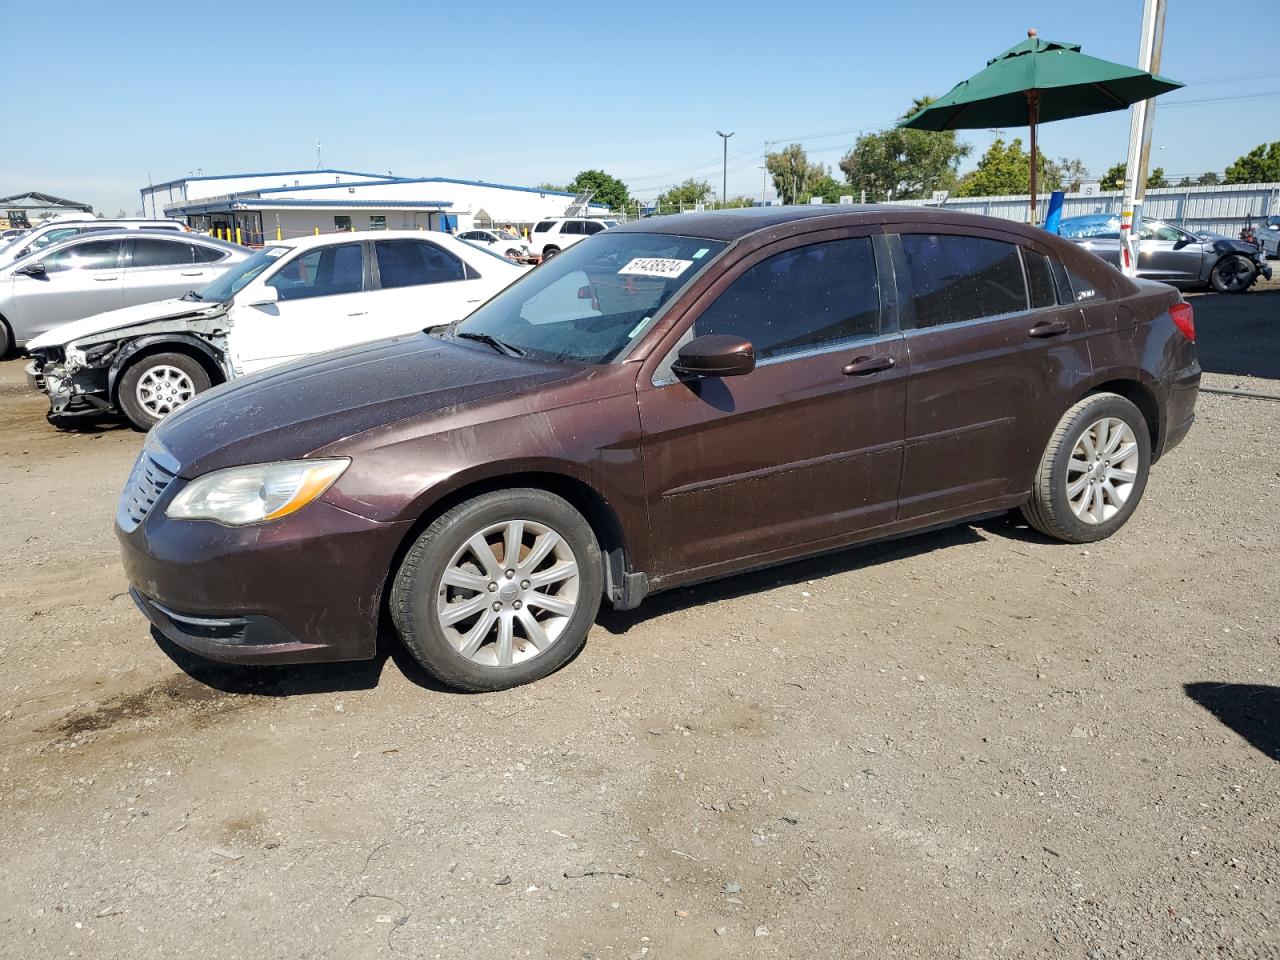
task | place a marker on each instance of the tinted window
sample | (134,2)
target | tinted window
(1155,230)
(53,236)
(1039,279)
(543,227)
(572,227)
(321,273)
(591,227)
(92,255)
(160,253)
(409,263)
(820,294)
(206,254)
(955,278)
(1082,288)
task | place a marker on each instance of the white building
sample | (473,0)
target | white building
(267,206)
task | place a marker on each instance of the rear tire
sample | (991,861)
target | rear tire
(6,339)
(550,252)
(513,255)
(1234,273)
(158,384)
(475,619)
(1093,471)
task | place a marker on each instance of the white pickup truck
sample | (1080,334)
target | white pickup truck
(289,300)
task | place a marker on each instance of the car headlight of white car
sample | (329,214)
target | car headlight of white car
(256,493)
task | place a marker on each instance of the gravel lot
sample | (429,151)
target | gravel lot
(968,744)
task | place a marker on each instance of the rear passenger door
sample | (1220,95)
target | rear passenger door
(322,306)
(159,268)
(995,359)
(804,450)
(418,285)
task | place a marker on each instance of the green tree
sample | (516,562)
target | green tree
(828,188)
(904,164)
(1113,179)
(1185,182)
(553,188)
(1006,169)
(1156,178)
(793,175)
(608,190)
(1073,173)
(1259,165)
(1208,179)
(685,194)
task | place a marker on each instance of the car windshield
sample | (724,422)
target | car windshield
(591,302)
(234,280)
(507,235)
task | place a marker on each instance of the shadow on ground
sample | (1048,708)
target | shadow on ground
(1236,333)
(1250,709)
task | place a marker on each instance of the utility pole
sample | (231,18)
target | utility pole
(1141,119)
(724,177)
(764,183)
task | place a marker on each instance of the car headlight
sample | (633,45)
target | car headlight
(257,493)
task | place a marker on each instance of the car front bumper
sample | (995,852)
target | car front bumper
(304,588)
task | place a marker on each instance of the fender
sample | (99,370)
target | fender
(133,347)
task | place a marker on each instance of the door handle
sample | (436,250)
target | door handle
(863,366)
(1050,328)
(360,314)
(193,273)
(105,279)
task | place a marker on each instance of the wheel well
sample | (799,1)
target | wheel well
(216,375)
(5,327)
(585,499)
(1140,397)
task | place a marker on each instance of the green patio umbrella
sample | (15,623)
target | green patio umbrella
(1035,82)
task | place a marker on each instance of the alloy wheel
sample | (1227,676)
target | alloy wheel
(1102,470)
(163,389)
(508,593)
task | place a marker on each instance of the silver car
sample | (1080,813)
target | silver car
(46,235)
(100,271)
(1173,255)
(1268,234)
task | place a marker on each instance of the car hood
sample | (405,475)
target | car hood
(291,411)
(104,323)
(1227,245)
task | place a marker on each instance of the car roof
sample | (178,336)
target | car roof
(346,236)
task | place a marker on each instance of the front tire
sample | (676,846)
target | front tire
(478,620)
(1234,273)
(158,384)
(1093,471)
(6,339)
(513,255)
(550,252)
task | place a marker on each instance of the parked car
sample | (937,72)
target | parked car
(553,235)
(1173,255)
(13,233)
(286,301)
(35,240)
(1268,234)
(673,400)
(94,272)
(502,242)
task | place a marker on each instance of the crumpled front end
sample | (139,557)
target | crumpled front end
(74,380)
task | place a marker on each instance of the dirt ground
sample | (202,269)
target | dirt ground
(966,744)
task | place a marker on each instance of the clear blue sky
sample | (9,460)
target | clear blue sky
(116,92)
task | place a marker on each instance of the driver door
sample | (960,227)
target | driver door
(806,449)
(1167,253)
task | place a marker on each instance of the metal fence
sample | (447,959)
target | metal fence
(1223,208)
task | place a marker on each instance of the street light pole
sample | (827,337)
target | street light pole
(724,177)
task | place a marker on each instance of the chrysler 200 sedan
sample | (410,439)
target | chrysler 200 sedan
(666,402)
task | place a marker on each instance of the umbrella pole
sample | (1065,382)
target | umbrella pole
(1033,104)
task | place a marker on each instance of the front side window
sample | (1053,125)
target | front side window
(595,300)
(801,299)
(323,272)
(1157,230)
(160,253)
(411,263)
(53,236)
(956,278)
(92,255)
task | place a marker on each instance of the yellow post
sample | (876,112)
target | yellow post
(238,240)
(317,231)
(279,235)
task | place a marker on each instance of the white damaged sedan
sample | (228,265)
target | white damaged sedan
(289,300)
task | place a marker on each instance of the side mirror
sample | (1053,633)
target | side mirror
(265,297)
(715,355)
(1182,242)
(33,270)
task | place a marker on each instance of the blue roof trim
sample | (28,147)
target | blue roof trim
(328,186)
(269,173)
(401,180)
(228,206)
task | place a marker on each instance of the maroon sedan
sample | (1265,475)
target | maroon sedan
(670,401)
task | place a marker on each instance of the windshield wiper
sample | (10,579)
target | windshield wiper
(191,295)
(502,347)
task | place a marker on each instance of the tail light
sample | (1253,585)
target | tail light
(1184,319)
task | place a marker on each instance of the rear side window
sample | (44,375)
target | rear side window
(159,253)
(1039,279)
(593,227)
(322,272)
(543,227)
(411,263)
(571,227)
(801,299)
(957,278)
(206,254)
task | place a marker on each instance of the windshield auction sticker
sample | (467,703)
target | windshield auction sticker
(655,267)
